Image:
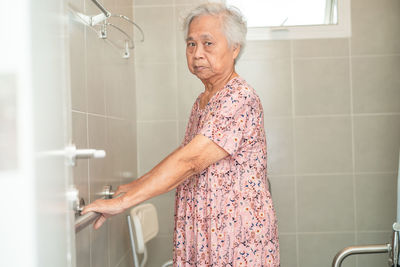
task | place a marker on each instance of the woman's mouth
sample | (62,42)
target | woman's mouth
(199,68)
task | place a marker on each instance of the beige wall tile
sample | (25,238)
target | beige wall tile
(319,249)
(321,48)
(322,86)
(288,251)
(279,135)
(376,142)
(94,72)
(375,27)
(376,201)
(323,145)
(283,197)
(91,8)
(77,64)
(120,90)
(320,208)
(126,9)
(165,205)
(99,246)
(180,14)
(121,151)
(152,2)
(127,261)
(77,4)
(189,2)
(123,3)
(79,138)
(157,24)
(371,239)
(82,243)
(266,50)
(160,250)
(376,84)
(156,92)
(112,55)
(98,168)
(189,88)
(119,238)
(272,81)
(155,141)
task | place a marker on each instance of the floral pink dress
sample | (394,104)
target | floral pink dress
(224,215)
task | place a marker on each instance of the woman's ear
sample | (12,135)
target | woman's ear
(236,50)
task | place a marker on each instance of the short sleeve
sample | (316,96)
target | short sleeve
(226,124)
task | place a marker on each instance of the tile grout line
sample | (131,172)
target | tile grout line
(87,133)
(353,146)
(100,115)
(103,59)
(333,232)
(374,55)
(328,173)
(155,121)
(335,115)
(123,257)
(174,25)
(346,57)
(138,162)
(294,155)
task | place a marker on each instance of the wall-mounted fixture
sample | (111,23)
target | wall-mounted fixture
(392,248)
(82,221)
(99,23)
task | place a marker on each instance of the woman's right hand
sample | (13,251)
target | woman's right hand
(122,189)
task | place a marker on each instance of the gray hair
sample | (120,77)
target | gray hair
(233,23)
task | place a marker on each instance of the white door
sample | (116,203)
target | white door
(36,225)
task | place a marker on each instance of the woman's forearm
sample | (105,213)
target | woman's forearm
(168,174)
(164,177)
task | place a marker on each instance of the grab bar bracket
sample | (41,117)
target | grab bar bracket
(353,250)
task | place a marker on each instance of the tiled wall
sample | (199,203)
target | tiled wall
(103,117)
(332,118)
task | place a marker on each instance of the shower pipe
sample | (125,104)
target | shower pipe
(101,7)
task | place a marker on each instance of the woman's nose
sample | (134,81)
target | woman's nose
(198,52)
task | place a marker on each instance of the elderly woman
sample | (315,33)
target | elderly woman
(223,214)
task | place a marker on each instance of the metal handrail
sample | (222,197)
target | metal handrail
(367,249)
(85,220)
(81,221)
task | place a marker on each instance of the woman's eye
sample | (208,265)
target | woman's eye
(190,44)
(208,43)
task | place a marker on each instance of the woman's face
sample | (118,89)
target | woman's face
(207,52)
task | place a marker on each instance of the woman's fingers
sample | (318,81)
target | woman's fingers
(99,222)
(91,207)
(106,206)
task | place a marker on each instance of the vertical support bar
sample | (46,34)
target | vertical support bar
(135,257)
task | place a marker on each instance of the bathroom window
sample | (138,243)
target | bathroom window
(294,19)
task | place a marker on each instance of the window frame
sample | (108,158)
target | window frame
(340,30)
